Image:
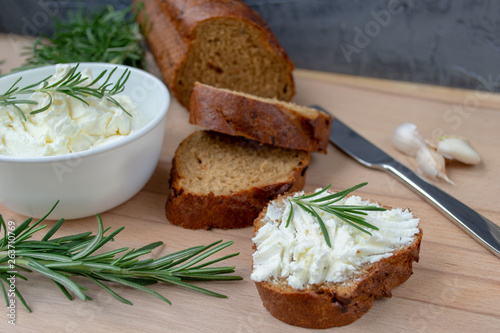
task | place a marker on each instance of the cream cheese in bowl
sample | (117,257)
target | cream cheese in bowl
(90,157)
(69,125)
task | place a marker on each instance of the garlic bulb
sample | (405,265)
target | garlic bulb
(431,163)
(457,148)
(406,139)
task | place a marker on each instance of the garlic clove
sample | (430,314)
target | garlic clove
(431,163)
(407,139)
(458,148)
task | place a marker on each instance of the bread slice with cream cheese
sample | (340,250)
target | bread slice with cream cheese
(303,282)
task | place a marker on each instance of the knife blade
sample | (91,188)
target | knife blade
(474,224)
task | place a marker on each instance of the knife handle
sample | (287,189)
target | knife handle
(477,226)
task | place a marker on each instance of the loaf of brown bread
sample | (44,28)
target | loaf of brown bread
(223,43)
(265,120)
(358,270)
(222,181)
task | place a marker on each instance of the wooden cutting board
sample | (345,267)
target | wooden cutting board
(455,286)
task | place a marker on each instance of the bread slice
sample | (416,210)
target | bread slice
(262,119)
(347,295)
(221,181)
(223,43)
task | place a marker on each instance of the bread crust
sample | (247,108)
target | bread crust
(269,122)
(173,26)
(238,210)
(337,304)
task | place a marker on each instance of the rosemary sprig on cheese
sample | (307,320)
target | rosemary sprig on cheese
(352,215)
(63,258)
(72,84)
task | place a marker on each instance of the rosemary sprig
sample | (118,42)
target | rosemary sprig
(352,215)
(61,259)
(72,84)
(108,35)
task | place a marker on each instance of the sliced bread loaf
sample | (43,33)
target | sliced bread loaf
(303,282)
(220,42)
(225,181)
(262,119)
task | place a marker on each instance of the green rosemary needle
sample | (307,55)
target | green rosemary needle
(108,35)
(60,259)
(72,84)
(351,214)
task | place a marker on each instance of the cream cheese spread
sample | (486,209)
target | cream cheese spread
(69,125)
(299,253)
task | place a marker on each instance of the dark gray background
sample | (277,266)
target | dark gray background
(444,42)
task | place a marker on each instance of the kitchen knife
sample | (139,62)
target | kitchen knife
(477,226)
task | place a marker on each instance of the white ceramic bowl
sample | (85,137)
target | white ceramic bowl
(95,180)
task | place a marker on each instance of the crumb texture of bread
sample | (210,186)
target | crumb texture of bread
(261,119)
(333,303)
(223,43)
(221,181)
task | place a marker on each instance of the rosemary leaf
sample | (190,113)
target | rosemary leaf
(194,288)
(53,230)
(128,283)
(290,216)
(92,245)
(53,275)
(4,227)
(315,194)
(108,238)
(212,270)
(204,255)
(135,254)
(110,291)
(76,237)
(17,292)
(189,254)
(26,235)
(204,277)
(160,263)
(142,265)
(322,226)
(208,263)
(62,265)
(47,256)
(151,246)
(122,258)
(105,255)
(142,281)
(64,291)
(339,195)
(350,217)
(351,223)
(22,226)
(101,266)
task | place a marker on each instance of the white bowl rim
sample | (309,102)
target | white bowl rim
(108,146)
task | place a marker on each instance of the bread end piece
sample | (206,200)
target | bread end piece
(224,43)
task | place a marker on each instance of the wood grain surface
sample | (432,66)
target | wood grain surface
(455,286)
